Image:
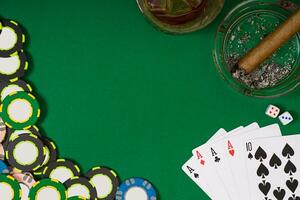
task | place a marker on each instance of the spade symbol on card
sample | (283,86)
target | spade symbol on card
(260,154)
(262,171)
(290,168)
(292,184)
(275,161)
(265,187)
(288,151)
(196,175)
(279,193)
(294,197)
(250,156)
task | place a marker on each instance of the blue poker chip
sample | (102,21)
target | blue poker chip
(136,188)
(3,168)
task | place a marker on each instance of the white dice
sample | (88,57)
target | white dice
(286,118)
(272,111)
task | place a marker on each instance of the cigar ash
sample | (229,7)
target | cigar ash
(247,35)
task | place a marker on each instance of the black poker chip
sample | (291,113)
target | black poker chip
(51,155)
(7,87)
(61,170)
(106,182)
(12,133)
(25,152)
(12,38)
(80,186)
(13,67)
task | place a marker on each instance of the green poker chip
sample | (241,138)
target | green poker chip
(48,189)
(20,110)
(9,188)
(77,198)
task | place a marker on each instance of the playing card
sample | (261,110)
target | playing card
(190,168)
(273,168)
(205,167)
(217,162)
(236,162)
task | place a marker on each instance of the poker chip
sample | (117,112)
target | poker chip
(7,88)
(48,189)
(136,188)
(2,130)
(26,152)
(2,152)
(105,181)
(61,170)
(77,198)
(13,67)
(25,178)
(20,110)
(9,188)
(80,186)
(3,167)
(51,155)
(11,134)
(25,191)
(12,38)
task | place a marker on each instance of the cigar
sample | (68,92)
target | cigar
(270,44)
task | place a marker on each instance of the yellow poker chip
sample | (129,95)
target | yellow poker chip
(9,188)
(20,110)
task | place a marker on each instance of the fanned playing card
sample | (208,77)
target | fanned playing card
(190,168)
(205,166)
(220,166)
(273,168)
(235,161)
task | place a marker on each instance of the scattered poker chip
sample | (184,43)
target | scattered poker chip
(2,130)
(13,67)
(51,155)
(3,167)
(26,152)
(77,198)
(25,191)
(11,134)
(20,110)
(26,178)
(9,188)
(48,189)
(105,181)
(12,38)
(136,188)
(61,170)
(80,186)
(2,152)
(7,88)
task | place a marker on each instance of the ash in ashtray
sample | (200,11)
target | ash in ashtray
(267,75)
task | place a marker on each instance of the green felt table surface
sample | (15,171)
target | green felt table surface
(116,92)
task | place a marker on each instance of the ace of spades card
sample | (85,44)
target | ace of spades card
(273,171)
(190,168)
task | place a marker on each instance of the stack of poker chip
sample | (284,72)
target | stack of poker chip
(30,167)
